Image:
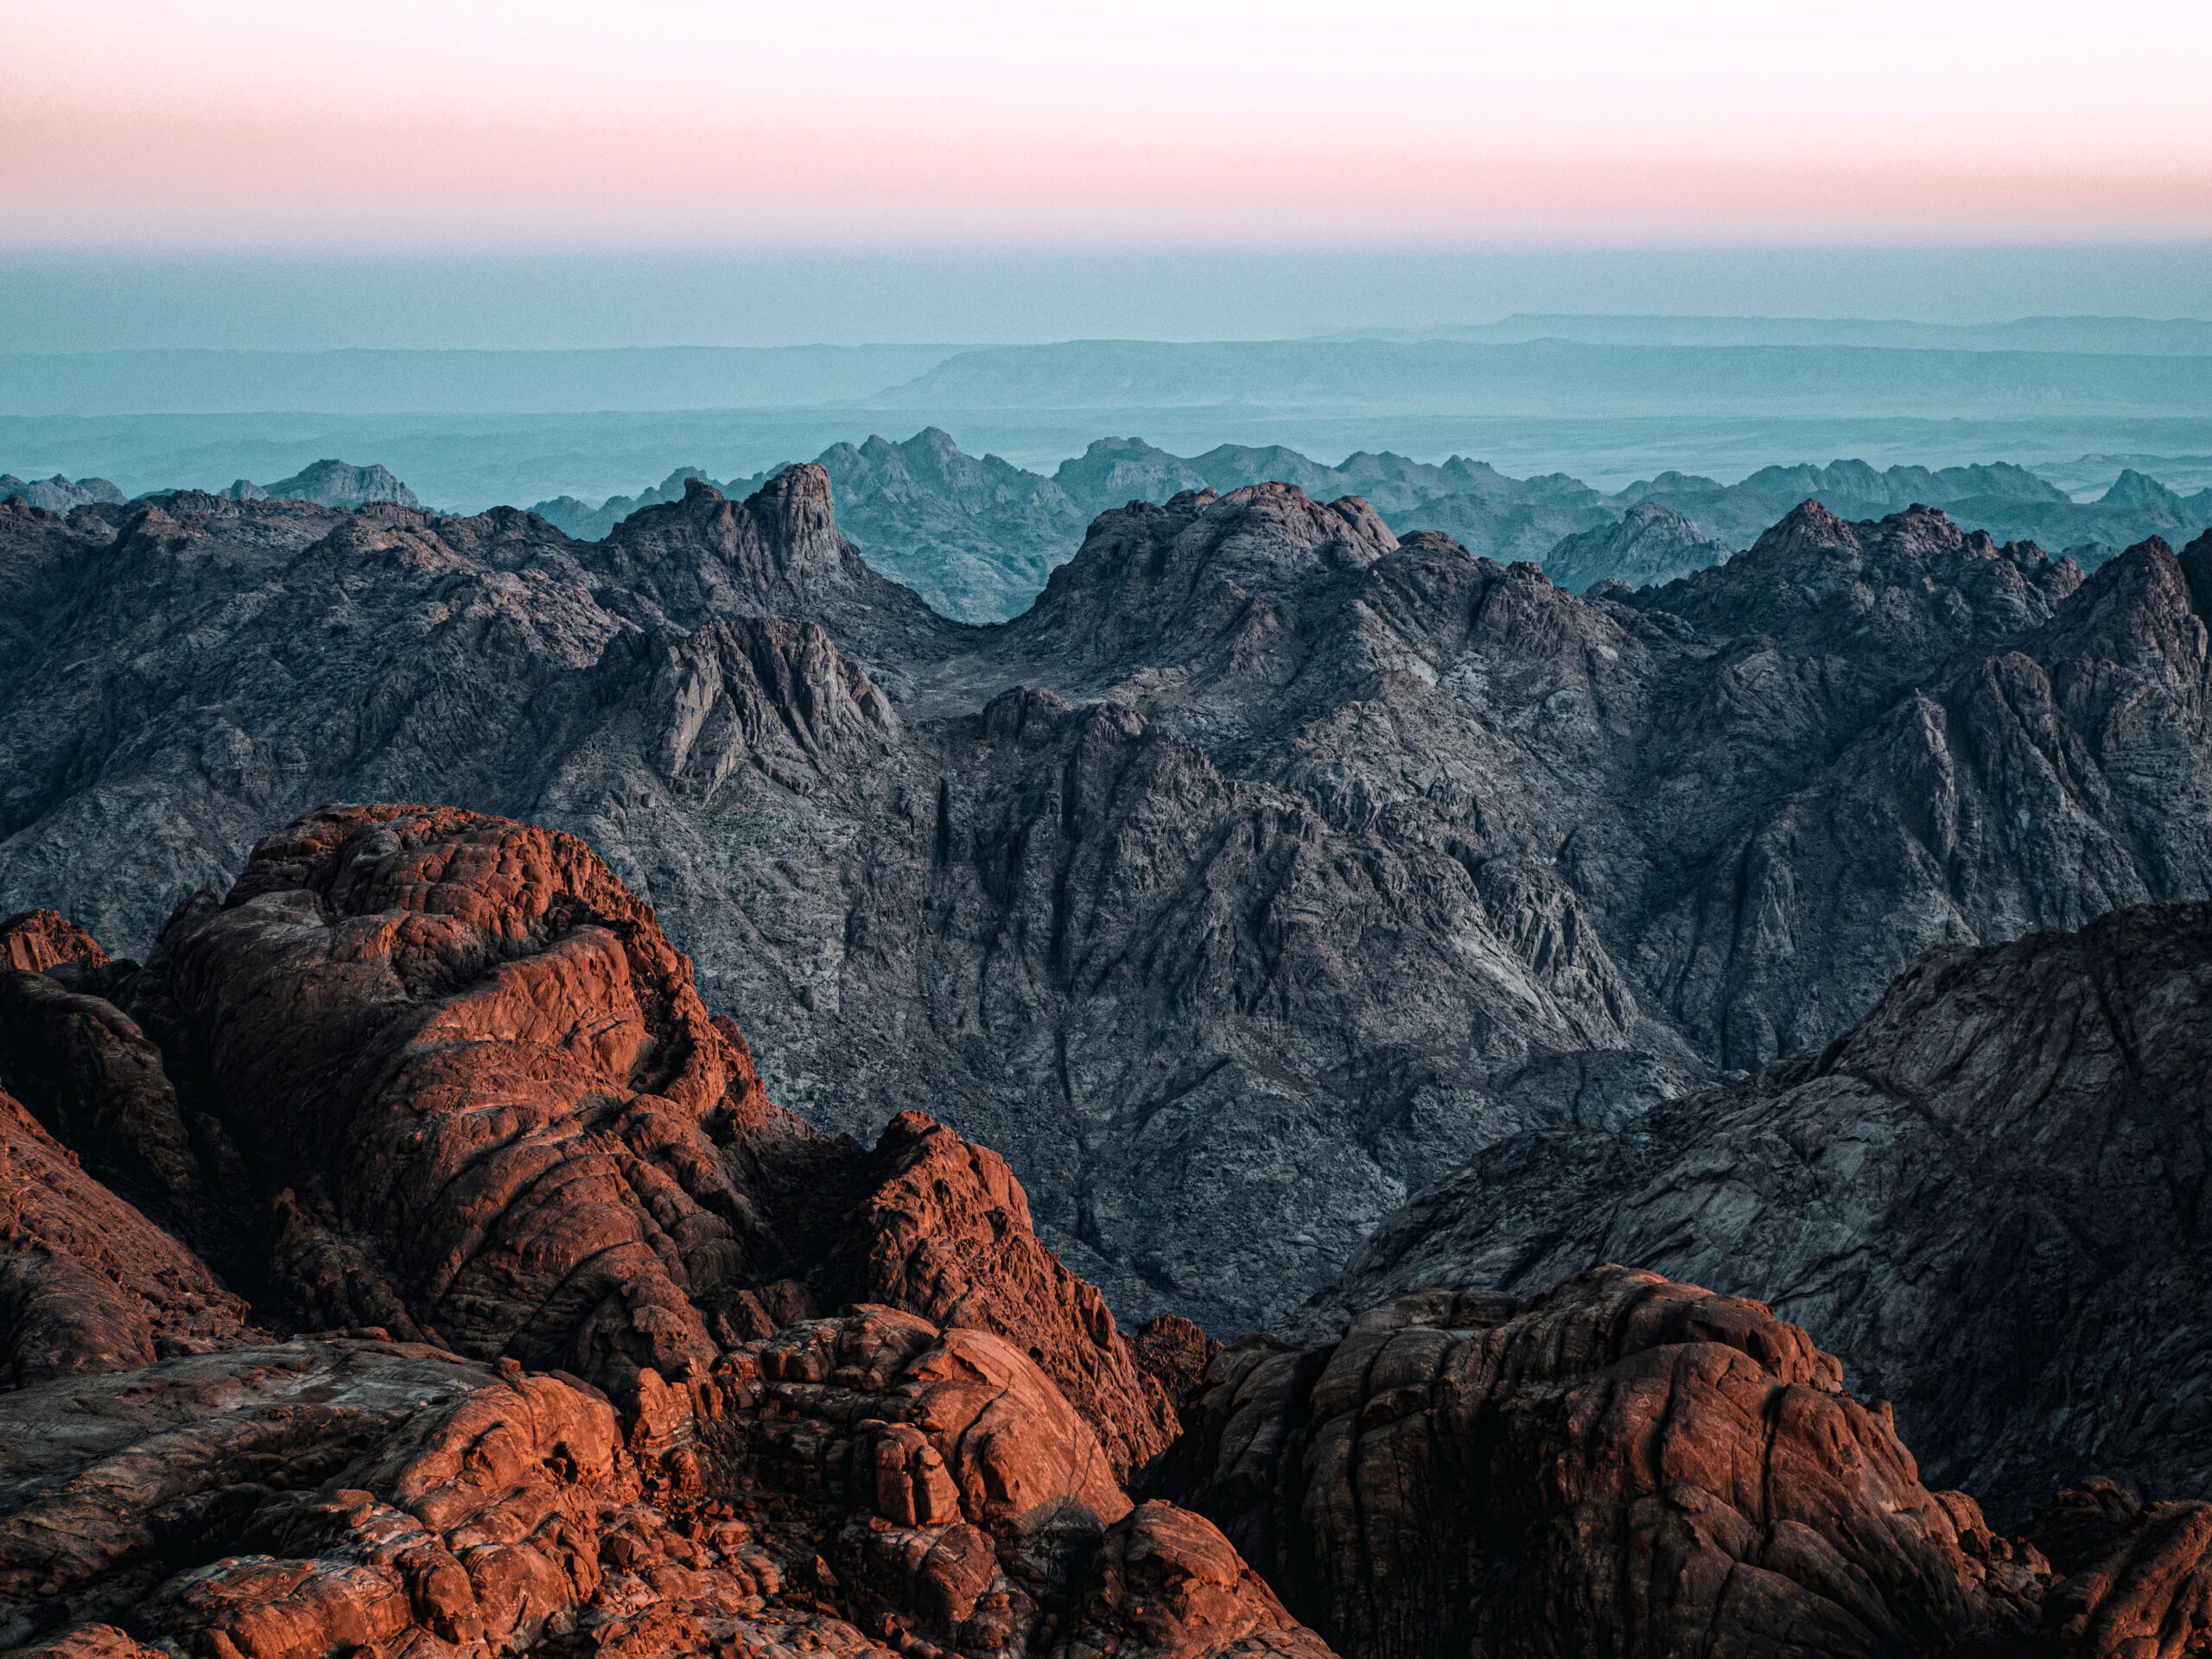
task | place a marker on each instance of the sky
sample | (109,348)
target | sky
(1160,123)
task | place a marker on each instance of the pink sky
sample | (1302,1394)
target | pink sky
(237,122)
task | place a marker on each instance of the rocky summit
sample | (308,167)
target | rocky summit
(495,1307)
(1268,867)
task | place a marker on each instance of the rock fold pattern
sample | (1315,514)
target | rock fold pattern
(566,1381)
(1620,1463)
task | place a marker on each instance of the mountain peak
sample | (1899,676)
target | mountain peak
(1810,520)
(2134,489)
(334,483)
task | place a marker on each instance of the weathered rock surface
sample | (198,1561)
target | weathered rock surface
(502,1119)
(110,1483)
(944,1231)
(2131,1577)
(1272,864)
(451,1080)
(473,1094)
(1985,1195)
(863,1485)
(1650,545)
(41,939)
(484,1083)
(92,1076)
(1619,1465)
(476,1096)
(86,1283)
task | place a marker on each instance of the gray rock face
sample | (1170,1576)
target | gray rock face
(1986,1196)
(1264,870)
(60,495)
(1650,545)
(975,534)
(334,483)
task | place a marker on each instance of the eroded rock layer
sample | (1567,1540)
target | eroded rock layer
(1621,1464)
(463,1118)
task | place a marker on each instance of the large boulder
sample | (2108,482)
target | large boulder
(1620,1464)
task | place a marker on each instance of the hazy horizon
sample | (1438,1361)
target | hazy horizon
(882,182)
(77,301)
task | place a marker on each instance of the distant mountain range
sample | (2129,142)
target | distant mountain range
(324,484)
(414,382)
(2143,336)
(1531,365)
(1555,378)
(978,535)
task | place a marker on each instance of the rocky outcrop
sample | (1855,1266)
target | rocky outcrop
(455,1082)
(1619,1464)
(479,1103)
(86,1283)
(1164,1582)
(60,495)
(2131,1577)
(869,1484)
(1650,546)
(39,940)
(1981,1196)
(483,1080)
(944,1230)
(336,484)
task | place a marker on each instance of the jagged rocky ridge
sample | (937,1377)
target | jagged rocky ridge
(1264,870)
(329,484)
(1986,1196)
(977,536)
(443,1094)
(656,1369)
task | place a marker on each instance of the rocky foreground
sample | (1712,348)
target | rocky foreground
(401,1262)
